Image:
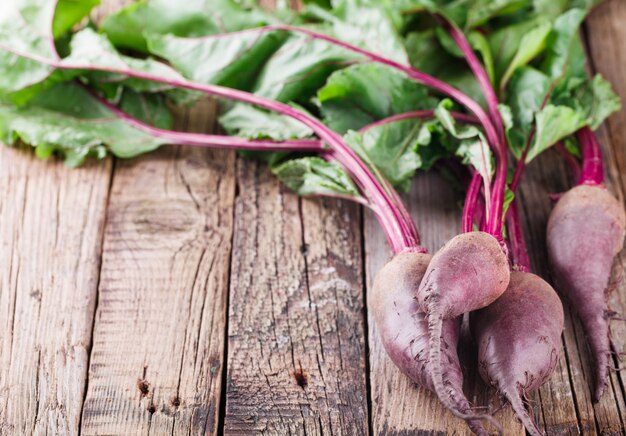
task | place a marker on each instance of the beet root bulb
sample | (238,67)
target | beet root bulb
(519,340)
(468,273)
(585,232)
(403,328)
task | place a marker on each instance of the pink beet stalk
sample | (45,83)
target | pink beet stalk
(213,141)
(471,199)
(518,251)
(402,234)
(494,221)
(592,172)
(423,114)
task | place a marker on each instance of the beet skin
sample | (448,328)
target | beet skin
(585,232)
(403,328)
(519,340)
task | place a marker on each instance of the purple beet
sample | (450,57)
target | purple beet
(403,329)
(468,273)
(519,340)
(585,233)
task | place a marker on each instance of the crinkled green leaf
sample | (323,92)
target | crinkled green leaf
(605,102)
(253,123)
(300,68)
(372,25)
(473,148)
(526,93)
(68,120)
(28,26)
(315,176)
(88,48)
(91,48)
(561,41)
(17,19)
(231,60)
(364,93)
(396,150)
(553,123)
(128,27)
(530,46)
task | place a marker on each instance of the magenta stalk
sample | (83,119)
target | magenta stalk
(471,199)
(592,172)
(402,234)
(213,141)
(517,243)
(495,219)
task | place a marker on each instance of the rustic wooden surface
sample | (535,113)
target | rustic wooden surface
(187,292)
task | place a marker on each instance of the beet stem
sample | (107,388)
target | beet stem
(471,199)
(402,235)
(592,168)
(498,143)
(519,250)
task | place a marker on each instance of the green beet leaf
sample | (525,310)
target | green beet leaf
(68,120)
(396,149)
(231,60)
(315,176)
(254,123)
(361,94)
(472,147)
(129,26)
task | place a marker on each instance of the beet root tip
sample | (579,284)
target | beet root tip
(435,322)
(522,414)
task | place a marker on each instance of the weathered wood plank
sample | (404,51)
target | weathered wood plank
(157,359)
(51,220)
(296,348)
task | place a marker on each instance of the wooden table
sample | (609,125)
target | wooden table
(188,292)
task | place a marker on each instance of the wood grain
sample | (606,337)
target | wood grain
(296,347)
(156,364)
(51,221)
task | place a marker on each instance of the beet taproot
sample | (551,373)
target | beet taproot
(519,340)
(585,232)
(403,329)
(468,273)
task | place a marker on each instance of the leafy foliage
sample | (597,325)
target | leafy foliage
(530,49)
(67,120)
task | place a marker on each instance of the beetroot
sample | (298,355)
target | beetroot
(403,328)
(519,340)
(585,232)
(468,273)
